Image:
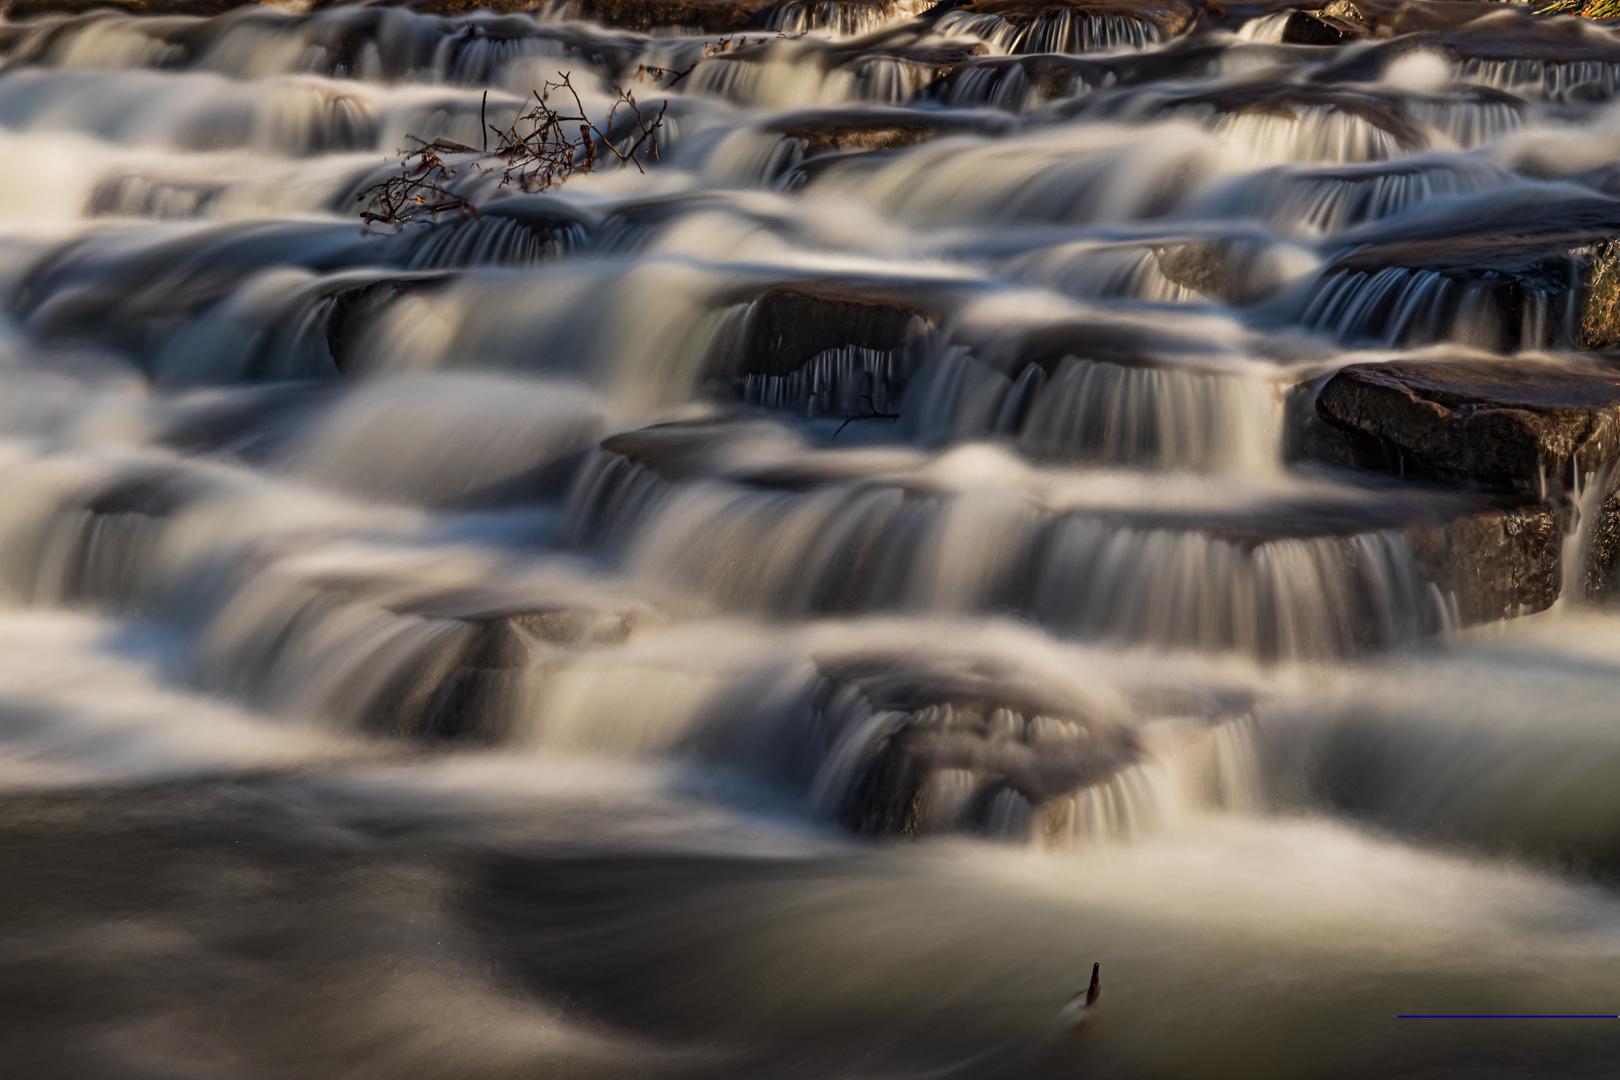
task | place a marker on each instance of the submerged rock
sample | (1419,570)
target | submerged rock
(968,747)
(1510,424)
(472,690)
(958,748)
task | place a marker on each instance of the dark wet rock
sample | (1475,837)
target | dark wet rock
(965,744)
(1496,32)
(958,743)
(790,324)
(1391,18)
(471,690)
(827,347)
(1599,325)
(1320,28)
(834,131)
(1495,563)
(1221,268)
(1600,572)
(1501,424)
(712,16)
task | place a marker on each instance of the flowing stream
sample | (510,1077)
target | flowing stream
(789,610)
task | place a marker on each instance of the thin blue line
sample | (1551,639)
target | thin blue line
(1507,1016)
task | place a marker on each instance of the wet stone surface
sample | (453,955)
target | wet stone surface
(1512,425)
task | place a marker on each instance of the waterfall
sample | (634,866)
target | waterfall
(1053,32)
(1544,79)
(643,538)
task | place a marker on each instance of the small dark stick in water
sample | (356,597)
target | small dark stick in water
(1079,1008)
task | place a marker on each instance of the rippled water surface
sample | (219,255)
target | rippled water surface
(791,609)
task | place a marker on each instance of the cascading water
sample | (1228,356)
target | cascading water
(1002,487)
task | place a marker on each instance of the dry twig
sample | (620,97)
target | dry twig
(871,413)
(419,188)
(538,150)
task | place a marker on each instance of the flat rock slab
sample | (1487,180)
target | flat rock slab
(1507,424)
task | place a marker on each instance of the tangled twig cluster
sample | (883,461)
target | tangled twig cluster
(545,153)
(538,150)
(419,188)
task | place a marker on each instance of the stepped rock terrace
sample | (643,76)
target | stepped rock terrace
(760,538)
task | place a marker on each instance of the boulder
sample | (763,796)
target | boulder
(1512,424)
(1320,28)
(1494,563)
(959,741)
(969,744)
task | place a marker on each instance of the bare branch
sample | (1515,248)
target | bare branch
(536,152)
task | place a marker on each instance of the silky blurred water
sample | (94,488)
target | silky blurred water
(438,652)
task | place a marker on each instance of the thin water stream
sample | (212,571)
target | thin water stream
(789,612)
